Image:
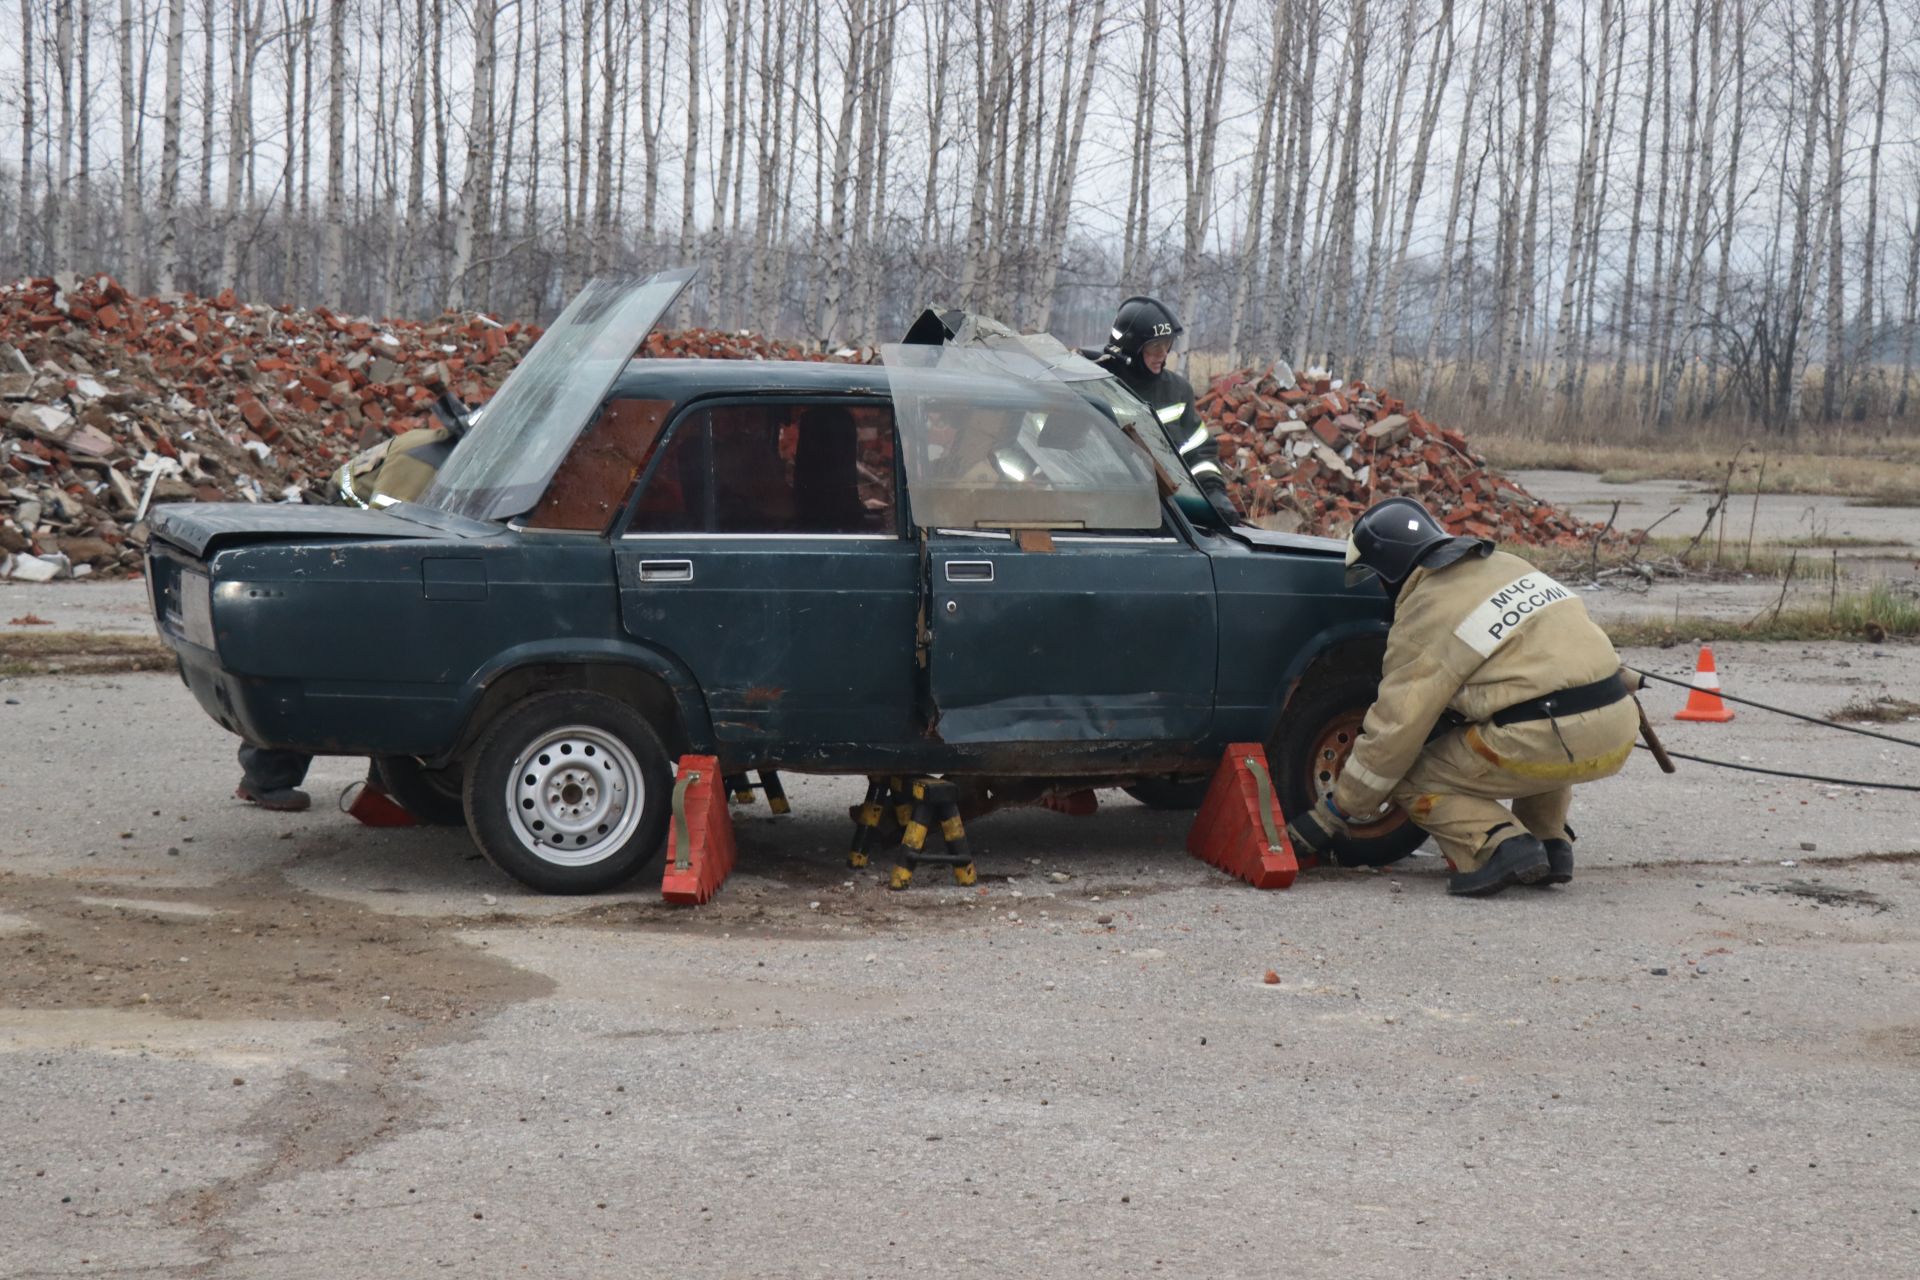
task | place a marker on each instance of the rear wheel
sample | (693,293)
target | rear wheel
(1316,736)
(569,792)
(432,796)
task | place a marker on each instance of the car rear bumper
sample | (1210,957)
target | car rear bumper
(322,717)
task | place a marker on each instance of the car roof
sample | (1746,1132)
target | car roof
(646,378)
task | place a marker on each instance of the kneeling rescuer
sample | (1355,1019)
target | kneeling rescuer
(1496,686)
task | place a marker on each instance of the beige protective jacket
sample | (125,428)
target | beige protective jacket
(1477,637)
(389,470)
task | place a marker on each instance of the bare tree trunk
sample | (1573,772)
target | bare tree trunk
(1846,30)
(1257,192)
(938,38)
(1529,244)
(476,177)
(60,211)
(1507,321)
(246,46)
(26,131)
(1338,280)
(1439,70)
(79,227)
(1790,371)
(990,71)
(1723,295)
(1287,329)
(1636,207)
(333,261)
(208,20)
(1140,162)
(1427,362)
(1866,338)
(1675,366)
(1910,314)
(130,238)
(1584,183)
(833,279)
(690,158)
(1066,172)
(610,57)
(167,263)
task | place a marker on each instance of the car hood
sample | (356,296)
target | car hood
(199,526)
(1268,540)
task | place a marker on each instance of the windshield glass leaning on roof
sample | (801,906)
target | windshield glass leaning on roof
(997,434)
(520,436)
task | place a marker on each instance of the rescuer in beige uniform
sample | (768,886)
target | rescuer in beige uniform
(1533,697)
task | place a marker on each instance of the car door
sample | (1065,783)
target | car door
(765,553)
(1102,637)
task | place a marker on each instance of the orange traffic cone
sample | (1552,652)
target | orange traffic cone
(1702,705)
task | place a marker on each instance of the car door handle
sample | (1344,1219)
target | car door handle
(969,571)
(666,571)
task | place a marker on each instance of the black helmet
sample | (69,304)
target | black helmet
(1396,535)
(1139,321)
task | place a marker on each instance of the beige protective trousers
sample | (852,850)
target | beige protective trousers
(1455,786)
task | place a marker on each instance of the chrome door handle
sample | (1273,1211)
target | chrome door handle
(666,571)
(969,571)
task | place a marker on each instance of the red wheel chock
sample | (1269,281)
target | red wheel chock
(700,849)
(1239,828)
(373,806)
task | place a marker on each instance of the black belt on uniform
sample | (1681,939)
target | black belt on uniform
(1567,702)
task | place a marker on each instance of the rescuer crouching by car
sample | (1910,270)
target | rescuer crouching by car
(396,470)
(1496,685)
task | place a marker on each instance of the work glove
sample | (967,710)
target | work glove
(1315,830)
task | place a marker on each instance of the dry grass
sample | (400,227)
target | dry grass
(40,653)
(1871,472)
(1879,614)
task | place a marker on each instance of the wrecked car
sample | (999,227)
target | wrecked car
(979,559)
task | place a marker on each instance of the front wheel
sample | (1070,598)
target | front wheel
(569,792)
(1316,736)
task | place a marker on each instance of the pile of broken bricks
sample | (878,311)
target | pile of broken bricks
(110,403)
(1309,455)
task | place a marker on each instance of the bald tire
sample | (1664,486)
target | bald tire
(1292,752)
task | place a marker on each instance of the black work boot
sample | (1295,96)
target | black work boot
(1518,860)
(1559,863)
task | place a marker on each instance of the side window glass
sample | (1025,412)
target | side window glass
(676,496)
(773,469)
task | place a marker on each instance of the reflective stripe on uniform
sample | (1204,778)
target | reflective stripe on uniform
(1549,770)
(382,500)
(1367,777)
(1205,468)
(1171,412)
(1194,441)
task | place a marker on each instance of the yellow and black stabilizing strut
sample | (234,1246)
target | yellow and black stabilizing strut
(935,807)
(741,790)
(887,798)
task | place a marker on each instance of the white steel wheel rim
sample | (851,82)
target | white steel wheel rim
(575,796)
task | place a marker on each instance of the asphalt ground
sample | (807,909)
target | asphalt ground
(242,1044)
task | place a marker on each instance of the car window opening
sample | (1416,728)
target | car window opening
(773,469)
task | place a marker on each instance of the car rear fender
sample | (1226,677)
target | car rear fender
(656,685)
